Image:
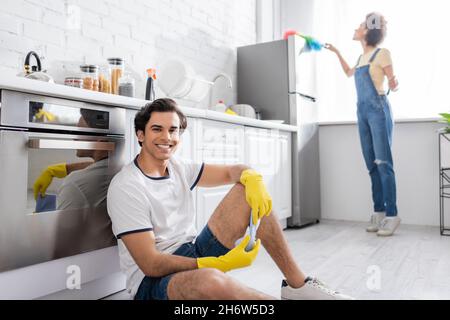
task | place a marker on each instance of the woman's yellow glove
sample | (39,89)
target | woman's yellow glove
(256,194)
(234,259)
(41,184)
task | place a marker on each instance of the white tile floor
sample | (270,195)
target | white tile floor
(413,264)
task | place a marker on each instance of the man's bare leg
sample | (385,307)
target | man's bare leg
(230,220)
(210,284)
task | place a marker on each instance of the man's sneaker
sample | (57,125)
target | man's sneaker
(313,289)
(388,226)
(375,221)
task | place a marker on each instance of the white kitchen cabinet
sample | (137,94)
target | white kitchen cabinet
(260,150)
(282,202)
(219,143)
(188,141)
(131,144)
(269,152)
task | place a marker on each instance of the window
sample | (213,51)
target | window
(417,38)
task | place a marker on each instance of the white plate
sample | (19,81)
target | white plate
(276,121)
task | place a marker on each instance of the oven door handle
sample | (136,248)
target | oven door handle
(39,143)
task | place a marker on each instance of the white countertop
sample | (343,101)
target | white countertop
(62,91)
(398,120)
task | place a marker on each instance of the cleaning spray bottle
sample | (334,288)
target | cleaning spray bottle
(150,88)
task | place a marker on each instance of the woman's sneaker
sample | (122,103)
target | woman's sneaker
(388,226)
(375,221)
(313,289)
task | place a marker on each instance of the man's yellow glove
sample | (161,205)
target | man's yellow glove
(43,115)
(234,259)
(256,194)
(41,184)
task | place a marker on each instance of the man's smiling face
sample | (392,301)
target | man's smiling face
(162,135)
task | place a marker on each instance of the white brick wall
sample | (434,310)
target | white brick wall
(203,33)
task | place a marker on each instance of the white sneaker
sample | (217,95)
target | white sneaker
(375,220)
(313,289)
(388,226)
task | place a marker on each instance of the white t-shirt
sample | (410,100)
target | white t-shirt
(85,188)
(139,203)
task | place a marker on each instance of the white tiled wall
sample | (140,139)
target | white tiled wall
(203,33)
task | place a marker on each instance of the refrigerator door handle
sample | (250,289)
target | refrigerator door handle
(304,96)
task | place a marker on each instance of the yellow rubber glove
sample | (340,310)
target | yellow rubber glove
(41,184)
(256,194)
(231,112)
(234,259)
(43,115)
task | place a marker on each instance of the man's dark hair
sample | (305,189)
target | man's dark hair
(159,105)
(376,29)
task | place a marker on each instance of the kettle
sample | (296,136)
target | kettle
(35,72)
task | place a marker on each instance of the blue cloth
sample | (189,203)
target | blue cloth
(47,203)
(206,245)
(375,126)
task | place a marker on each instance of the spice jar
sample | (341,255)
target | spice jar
(116,69)
(126,86)
(74,82)
(90,76)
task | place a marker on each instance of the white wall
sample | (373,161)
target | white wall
(297,15)
(145,32)
(345,183)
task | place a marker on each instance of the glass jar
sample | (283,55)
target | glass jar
(89,74)
(116,68)
(104,84)
(127,86)
(76,82)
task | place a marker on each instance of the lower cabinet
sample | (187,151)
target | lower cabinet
(219,143)
(282,196)
(269,152)
(131,144)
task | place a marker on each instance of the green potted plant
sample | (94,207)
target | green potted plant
(445,119)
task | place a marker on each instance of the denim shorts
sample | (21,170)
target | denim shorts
(205,245)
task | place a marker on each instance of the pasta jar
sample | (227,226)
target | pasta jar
(90,76)
(104,84)
(116,68)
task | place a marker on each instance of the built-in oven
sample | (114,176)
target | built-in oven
(57,158)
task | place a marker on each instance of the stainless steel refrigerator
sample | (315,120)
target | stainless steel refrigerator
(277,79)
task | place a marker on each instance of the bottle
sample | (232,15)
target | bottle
(220,107)
(150,88)
(126,86)
(116,69)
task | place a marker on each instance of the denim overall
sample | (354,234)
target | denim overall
(375,126)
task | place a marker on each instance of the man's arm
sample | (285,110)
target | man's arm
(218,175)
(153,263)
(156,264)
